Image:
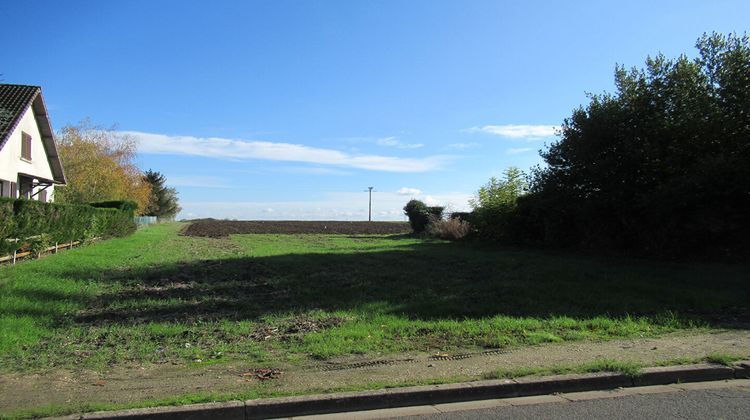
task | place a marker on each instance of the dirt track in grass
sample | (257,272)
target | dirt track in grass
(136,384)
(220,228)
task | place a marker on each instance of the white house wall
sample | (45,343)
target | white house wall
(11,163)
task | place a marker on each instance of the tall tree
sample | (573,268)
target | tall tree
(163,202)
(661,165)
(99,164)
(501,192)
(495,203)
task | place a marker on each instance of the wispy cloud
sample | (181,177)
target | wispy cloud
(529,132)
(408,191)
(395,142)
(463,146)
(518,150)
(233,149)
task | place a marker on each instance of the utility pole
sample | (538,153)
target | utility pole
(369,215)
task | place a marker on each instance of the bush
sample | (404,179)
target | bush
(35,223)
(463,215)
(451,229)
(113,222)
(493,223)
(124,205)
(495,206)
(436,212)
(419,215)
(7,225)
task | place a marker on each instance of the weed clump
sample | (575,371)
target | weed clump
(451,229)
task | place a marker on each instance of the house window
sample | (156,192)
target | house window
(43,196)
(7,189)
(25,146)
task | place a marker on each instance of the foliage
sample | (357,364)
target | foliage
(436,212)
(450,229)
(110,222)
(418,214)
(463,215)
(661,166)
(501,192)
(36,224)
(99,165)
(124,205)
(163,202)
(39,243)
(495,204)
(7,224)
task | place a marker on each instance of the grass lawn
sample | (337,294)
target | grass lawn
(159,297)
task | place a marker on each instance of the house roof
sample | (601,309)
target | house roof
(14,100)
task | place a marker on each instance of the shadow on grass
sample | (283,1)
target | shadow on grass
(430,280)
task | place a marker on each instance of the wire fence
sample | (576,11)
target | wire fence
(23,253)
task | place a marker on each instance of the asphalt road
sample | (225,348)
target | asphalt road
(723,403)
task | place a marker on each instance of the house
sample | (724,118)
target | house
(29,165)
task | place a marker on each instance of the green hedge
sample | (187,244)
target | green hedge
(60,222)
(127,206)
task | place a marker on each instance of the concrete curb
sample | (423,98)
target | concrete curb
(428,395)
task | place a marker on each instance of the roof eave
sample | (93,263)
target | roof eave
(48,139)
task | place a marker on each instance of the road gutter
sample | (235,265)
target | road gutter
(430,394)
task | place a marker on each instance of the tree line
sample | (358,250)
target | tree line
(659,167)
(100,166)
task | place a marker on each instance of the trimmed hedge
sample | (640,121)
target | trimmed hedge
(128,206)
(60,223)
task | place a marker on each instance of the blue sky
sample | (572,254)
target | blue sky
(290,109)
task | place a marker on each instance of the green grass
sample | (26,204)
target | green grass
(157,296)
(628,368)
(631,369)
(723,358)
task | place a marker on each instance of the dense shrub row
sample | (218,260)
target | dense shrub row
(48,223)
(661,166)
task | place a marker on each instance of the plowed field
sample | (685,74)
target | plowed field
(220,228)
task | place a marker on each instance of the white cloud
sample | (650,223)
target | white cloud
(431,201)
(332,206)
(518,150)
(529,132)
(232,149)
(463,146)
(408,191)
(394,142)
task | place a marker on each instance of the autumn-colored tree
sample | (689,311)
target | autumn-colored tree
(99,165)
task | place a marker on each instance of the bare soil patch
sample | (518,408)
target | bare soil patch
(220,228)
